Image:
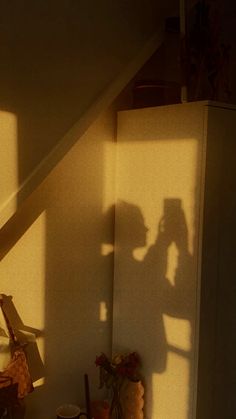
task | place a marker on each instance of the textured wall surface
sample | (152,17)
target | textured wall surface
(53,264)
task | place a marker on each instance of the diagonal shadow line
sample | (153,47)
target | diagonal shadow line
(19,223)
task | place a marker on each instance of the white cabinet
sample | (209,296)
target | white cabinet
(175,283)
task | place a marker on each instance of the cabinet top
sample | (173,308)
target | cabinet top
(220,104)
(209,103)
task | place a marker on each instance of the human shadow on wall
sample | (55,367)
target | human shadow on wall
(144,293)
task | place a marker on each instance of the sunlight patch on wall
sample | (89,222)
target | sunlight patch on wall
(178,333)
(171,390)
(103,311)
(107,248)
(172,263)
(9,162)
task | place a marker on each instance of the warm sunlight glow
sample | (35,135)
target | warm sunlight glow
(170,397)
(103,312)
(9,166)
(172,263)
(40,382)
(178,333)
(106,249)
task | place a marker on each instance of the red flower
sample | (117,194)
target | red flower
(115,370)
(100,360)
(121,370)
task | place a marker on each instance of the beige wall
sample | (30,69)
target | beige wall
(53,264)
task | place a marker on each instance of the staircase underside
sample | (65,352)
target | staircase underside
(61,68)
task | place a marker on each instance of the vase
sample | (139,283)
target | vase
(131,400)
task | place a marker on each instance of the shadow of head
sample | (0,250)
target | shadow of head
(131,231)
